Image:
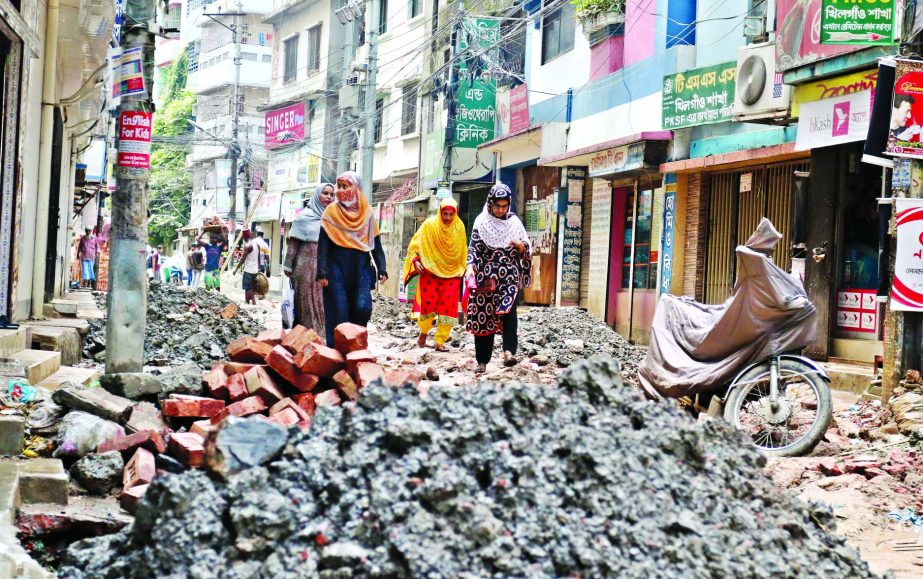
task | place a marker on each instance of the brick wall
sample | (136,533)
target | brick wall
(696,235)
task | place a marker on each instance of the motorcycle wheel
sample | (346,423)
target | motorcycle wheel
(801,421)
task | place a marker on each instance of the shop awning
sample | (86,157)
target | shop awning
(734,159)
(585,156)
(518,147)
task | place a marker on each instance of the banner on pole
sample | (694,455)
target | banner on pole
(906,111)
(135,140)
(907,285)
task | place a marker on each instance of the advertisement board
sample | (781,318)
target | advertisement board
(699,96)
(907,284)
(798,34)
(863,22)
(135,140)
(284,126)
(906,111)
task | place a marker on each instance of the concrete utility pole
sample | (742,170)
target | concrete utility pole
(127,297)
(235,116)
(368,139)
(349,54)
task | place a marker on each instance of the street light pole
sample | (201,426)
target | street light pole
(235,119)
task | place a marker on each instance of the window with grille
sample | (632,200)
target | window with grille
(174,17)
(248,56)
(430,112)
(291,59)
(416,8)
(558,29)
(379,119)
(409,109)
(314,49)
(382,16)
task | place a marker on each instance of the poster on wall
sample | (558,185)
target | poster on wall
(862,22)
(669,227)
(906,111)
(601,224)
(833,121)
(798,33)
(907,284)
(573,236)
(134,140)
(857,310)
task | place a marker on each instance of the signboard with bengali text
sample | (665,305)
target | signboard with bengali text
(862,22)
(700,96)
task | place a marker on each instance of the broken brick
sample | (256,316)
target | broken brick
(287,417)
(400,376)
(346,384)
(130,497)
(203,428)
(229,311)
(248,349)
(237,387)
(188,448)
(283,363)
(181,406)
(298,337)
(305,402)
(271,337)
(353,359)
(368,372)
(304,418)
(140,470)
(245,407)
(319,360)
(350,338)
(149,439)
(231,368)
(260,383)
(216,380)
(327,398)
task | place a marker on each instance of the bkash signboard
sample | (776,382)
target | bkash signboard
(284,126)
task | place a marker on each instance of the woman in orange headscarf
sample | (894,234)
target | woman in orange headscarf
(437,257)
(349,254)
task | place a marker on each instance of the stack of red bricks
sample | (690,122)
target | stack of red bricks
(281,376)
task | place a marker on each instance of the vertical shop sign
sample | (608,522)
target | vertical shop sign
(863,22)
(669,228)
(474,122)
(572,198)
(601,223)
(904,138)
(519,108)
(907,285)
(134,140)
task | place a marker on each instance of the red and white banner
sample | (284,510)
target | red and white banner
(907,285)
(284,126)
(135,139)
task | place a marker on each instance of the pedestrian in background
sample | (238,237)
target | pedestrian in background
(265,252)
(156,263)
(251,266)
(86,253)
(190,263)
(349,253)
(436,260)
(499,265)
(213,261)
(300,263)
(198,265)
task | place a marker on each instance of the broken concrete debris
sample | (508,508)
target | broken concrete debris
(585,479)
(99,473)
(182,325)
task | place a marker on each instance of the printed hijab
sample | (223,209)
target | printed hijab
(495,232)
(306,225)
(348,221)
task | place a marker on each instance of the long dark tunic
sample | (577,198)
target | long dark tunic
(351,278)
(510,270)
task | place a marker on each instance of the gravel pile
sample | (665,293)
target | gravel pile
(183,325)
(586,479)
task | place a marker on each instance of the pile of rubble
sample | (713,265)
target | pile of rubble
(587,479)
(557,337)
(183,325)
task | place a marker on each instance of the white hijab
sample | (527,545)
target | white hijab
(498,233)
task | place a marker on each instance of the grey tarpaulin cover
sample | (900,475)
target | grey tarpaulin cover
(697,347)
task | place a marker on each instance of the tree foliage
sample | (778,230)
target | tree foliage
(170,181)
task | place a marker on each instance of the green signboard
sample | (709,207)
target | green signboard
(483,34)
(699,97)
(858,22)
(475,113)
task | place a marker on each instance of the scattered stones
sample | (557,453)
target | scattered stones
(99,473)
(183,325)
(587,479)
(131,384)
(94,401)
(243,443)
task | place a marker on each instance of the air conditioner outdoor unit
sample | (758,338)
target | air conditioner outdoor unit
(760,95)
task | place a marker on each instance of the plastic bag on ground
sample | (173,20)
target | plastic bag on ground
(79,433)
(288,304)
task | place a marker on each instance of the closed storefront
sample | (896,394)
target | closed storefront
(738,200)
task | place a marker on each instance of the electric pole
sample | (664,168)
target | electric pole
(371,113)
(235,117)
(126,301)
(345,112)
(450,95)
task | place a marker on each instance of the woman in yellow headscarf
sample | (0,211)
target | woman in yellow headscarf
(436,261)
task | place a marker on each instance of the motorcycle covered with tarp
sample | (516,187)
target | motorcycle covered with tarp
(740,359)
